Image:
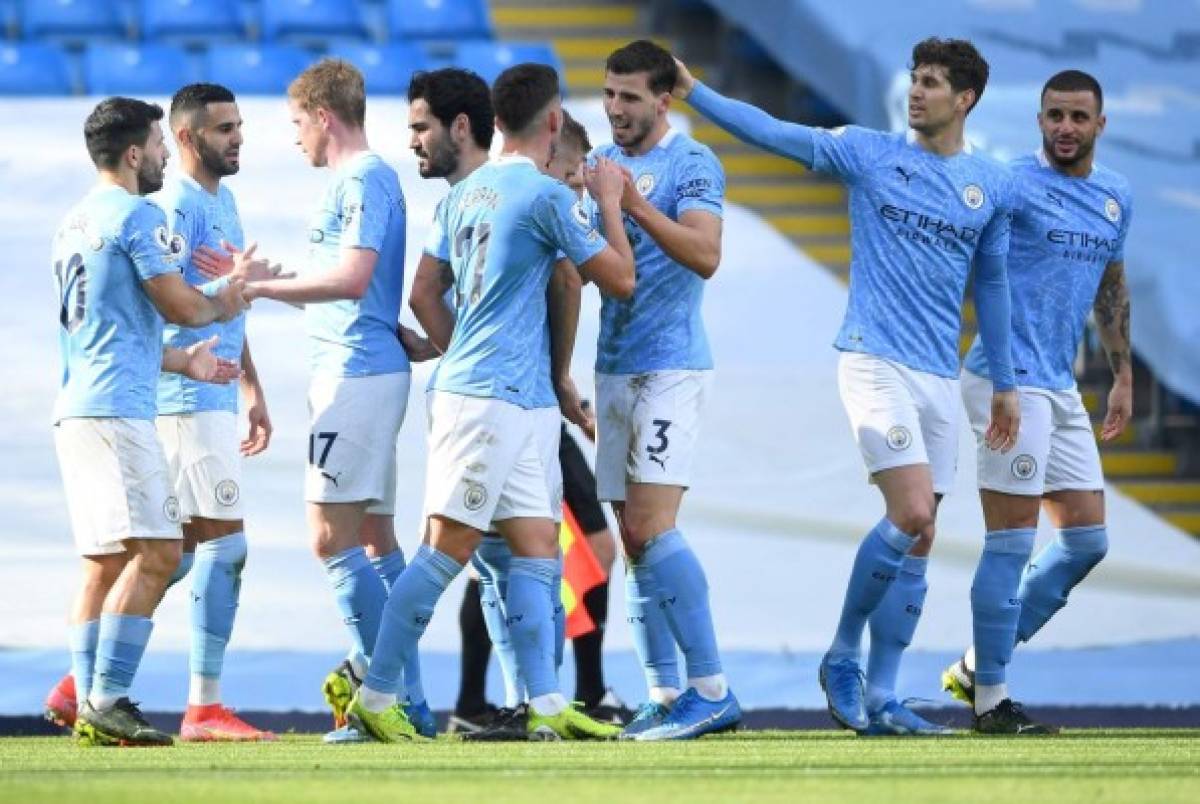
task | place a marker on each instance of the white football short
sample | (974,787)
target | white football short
(1055,450)
(901,416)
(485,461)
(549,432)
(648,427)
(204,458)
(353,426)
(117,483)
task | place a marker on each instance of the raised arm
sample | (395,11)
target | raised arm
(1112,322)
(747,123)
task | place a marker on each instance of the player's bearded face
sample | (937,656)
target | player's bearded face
(1070,123)
(438,155)
(219,143)
(631,108)
(152,162)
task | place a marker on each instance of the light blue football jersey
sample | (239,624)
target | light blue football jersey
(502,228)
(918,220)
(110,334)
(1065,232)
(363,207)
(198,218)
(660,328)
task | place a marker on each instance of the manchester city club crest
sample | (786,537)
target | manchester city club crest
(475,496)
(899,438)
(1112,210)
(1024,467)
(171,509)
(581,216)
(227,492)
(645,183)
(972,196)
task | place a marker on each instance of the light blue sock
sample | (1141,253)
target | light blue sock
(360,595)
(875,567)
(995,604)
(893,624)
(185,566)
(648,624)
(406,615)
(389,568)
(1055,571)
(216,586)
(530,606)
(492,561)
(119,648)
(683,595)
(560,613)
(83,638)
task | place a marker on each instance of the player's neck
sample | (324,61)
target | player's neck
(197,173)
(946,141)
(342,148)
(651,140)
(1080,169)
(467,163)
(536,150)
(123,179)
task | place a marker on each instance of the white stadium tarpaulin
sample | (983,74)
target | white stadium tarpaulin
(778,506)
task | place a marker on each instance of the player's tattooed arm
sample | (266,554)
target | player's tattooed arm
(428,301)
(1111,311)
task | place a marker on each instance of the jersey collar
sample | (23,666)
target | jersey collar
(512,159)
(1044,161)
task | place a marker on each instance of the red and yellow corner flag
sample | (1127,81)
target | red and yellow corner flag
(581,574)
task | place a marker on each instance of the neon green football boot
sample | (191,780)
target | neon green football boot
(338,688)
(389,726)
(569,724)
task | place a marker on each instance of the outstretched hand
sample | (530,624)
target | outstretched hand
(203,366)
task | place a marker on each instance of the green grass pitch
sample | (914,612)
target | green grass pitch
(1077,766)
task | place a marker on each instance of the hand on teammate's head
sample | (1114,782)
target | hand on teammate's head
(684,81)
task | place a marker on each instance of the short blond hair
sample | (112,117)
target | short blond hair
(334,85)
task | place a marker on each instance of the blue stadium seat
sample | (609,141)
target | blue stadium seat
(439,19)
(31,68)
(256,69)
(71,19)
(152,69)
(489,59)
(190,20)
(387,68)
(308,20)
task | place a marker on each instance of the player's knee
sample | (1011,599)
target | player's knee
(916,518)
(158,559)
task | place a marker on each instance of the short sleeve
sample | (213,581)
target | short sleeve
(700,183)
(149,243)
(437,242)
(1118,253)
(995,236)
(565,225)
(366,206)
(847,151)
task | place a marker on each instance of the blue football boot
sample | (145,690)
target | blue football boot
(842,680)
(421,716)
(648,716)
(895,719)
(693,716)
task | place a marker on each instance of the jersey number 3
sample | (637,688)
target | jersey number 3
(72,279)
